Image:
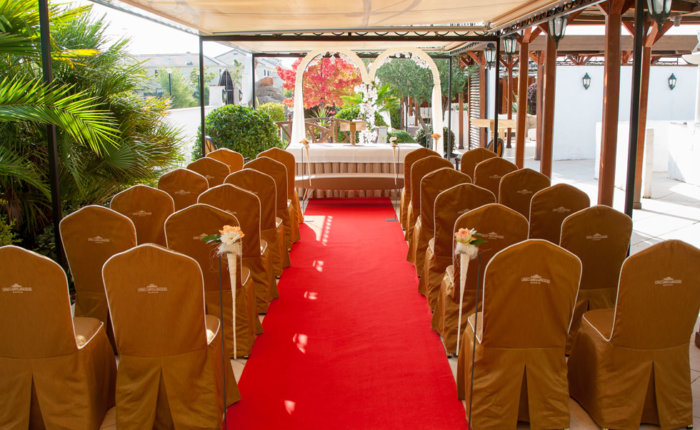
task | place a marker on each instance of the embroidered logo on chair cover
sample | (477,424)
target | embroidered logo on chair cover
(492,236)
(142,213)
(535,279)
(152,289)
(99,239)
(524,191)
(494,176)
(182,192)
(200,236)
(668,281)
(17,289)
(596,237)
(561,210)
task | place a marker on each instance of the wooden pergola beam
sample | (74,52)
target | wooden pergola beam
(528,36)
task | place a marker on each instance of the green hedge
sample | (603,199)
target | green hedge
(275,110)
(351,112)
(401,136)
(242,129)
(424,137)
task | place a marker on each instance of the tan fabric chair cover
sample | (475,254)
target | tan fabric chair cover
(232,159)
(600,237)
(245,206)
(215,171)
(449,205)
(284,209)
(408,161)
(501,227)
(287,158)
(418,170)
(488,173)
(550,206)
(170,367)
(518,187)
(90,236)
(184,186)
(630,364)
(147,208)
(520,366)
(263,186)
(431,185)
(56,372)
(473,157)
(184,230)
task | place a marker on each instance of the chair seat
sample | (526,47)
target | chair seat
(85,329)
(601,320)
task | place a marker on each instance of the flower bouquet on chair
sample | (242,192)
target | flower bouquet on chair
(466,245)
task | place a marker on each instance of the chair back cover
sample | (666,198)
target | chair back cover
(232,159)
(449,205)
(408,161)
(184,186)
(286,158)
(433,184)
(215,171)
(500,227)
(418,170)
(278,172)
(90,236)
(263,186)
(658,297)
(550,206)
(242,204)
(35,316)
(518,187)
(537,281)
(473,157)
(488,173)
(147,208)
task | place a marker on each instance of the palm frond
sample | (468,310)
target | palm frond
(20,169)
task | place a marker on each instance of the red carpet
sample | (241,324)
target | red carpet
(348,344)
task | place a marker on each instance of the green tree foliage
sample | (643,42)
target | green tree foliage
(275,110)
(177,88)
(108,138)
(194,82)
(459,79)
(242,129)
(401,136)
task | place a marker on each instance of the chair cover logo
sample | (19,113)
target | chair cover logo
(535,279)
(668,281)
(17,289)
(98,239)
(524,191)
(141,213)
(200,236)
(596,237)
(495,176)
(182,192)
(152,289)
(561,210)
(493,236)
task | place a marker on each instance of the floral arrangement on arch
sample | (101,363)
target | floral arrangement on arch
(368,111)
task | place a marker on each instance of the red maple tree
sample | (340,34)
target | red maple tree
(325,81)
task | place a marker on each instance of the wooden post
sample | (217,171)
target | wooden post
(521,132)
(483,98)
(460,100)
(550,70)
(540,101)
(611,101)
(509,109)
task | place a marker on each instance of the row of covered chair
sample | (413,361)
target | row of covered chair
(112,251)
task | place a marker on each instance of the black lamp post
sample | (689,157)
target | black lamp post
(586,81)
(490,54)
(557,26)
(510,44)
(659,10)
(672,80)
(170,83)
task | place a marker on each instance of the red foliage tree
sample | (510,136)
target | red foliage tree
(325,81)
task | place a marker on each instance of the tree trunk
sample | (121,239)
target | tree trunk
(418,115)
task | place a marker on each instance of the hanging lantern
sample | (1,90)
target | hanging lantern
(490,54)
(586,81)
(659,10)
(672,81)
(557,26)
(510,44)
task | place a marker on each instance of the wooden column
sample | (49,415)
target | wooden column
(509,97)
(521,132)
(483,98)
(460,100)
(550,70)
(611,101)
(539,112)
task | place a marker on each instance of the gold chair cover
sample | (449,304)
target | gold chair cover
(473,157)
(184,186)
(518,187)
(408,161)
(289,191)
(418,170)
(630,364)
(232,159)
(431,185)
(550,206)
(56,371)
(600,237)
(287,158)
(170,364)
(520,365)
(501,227)
(449,205)
(245,206)
(263,186)
(488,173)
(213,170)
(90,236)
(147,208)
(184,230)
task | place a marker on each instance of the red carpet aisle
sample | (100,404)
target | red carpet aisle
(348,343)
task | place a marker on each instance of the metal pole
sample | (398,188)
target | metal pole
(253,74)
(634,105)
(202,113)
(56,212)
(497,101)
(448,152)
